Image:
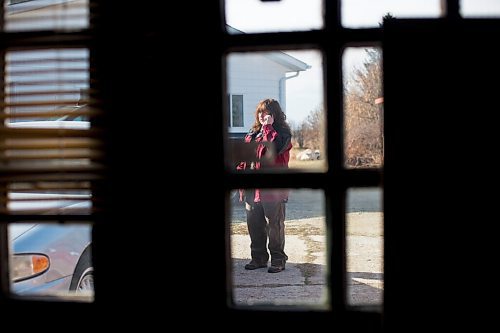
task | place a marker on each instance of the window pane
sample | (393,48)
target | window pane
(251,16)
(46,14)
(369,13)
(237,110)
(49,86)
(289,84)
(480,8)
(365,237)
(59,196)
(49,168)
(303,282)
(51,260)
(363,108)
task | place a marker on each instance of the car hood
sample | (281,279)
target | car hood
(16,230)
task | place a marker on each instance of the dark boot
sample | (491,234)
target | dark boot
(277,266)
(255,264)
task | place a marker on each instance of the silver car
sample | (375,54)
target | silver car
(50,259)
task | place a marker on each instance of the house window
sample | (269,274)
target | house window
(236,110)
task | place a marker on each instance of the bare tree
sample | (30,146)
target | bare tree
(363,118)
(314,129)
(298,130)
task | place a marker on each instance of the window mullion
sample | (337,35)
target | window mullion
(450,8)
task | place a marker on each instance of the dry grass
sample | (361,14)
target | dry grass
(318,165)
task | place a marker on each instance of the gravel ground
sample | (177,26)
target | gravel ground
(309,203)
(304,282)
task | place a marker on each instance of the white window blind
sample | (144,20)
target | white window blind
(33,15)
(49,147)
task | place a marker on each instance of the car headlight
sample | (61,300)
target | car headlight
(25,266)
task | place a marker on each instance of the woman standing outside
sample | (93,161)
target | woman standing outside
(265,209)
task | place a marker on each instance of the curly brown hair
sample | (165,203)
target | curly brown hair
(272,107)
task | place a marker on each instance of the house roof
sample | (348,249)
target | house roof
(279,57)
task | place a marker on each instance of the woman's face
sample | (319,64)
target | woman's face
(261,116)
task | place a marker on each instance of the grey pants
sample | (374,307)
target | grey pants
(267,220)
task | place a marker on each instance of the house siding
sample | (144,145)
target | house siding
(256,78)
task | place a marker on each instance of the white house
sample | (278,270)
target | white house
(253,77)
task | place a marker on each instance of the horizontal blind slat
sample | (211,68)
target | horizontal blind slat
(51,158)
(17,169)
(66,102)
(52,92)
(85,112)
(56,143)
(49,133)
(57,211)
(44,83)
(51,176)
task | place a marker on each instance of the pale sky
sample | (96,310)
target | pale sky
(305,92)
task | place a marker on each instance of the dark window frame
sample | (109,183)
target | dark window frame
(337,180)
(47,39)
(331,41)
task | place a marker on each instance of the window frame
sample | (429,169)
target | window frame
(12,41)
(337,180)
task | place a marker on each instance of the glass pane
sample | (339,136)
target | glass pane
(51,260)
(289,85)
(237,110)
(370,13)
(363,108)
(365,238)
(55,197)
(480,8)
(47,88)
(251,16)
(22,15)
(297,244)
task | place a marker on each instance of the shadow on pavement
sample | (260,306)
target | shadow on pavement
(299,284)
